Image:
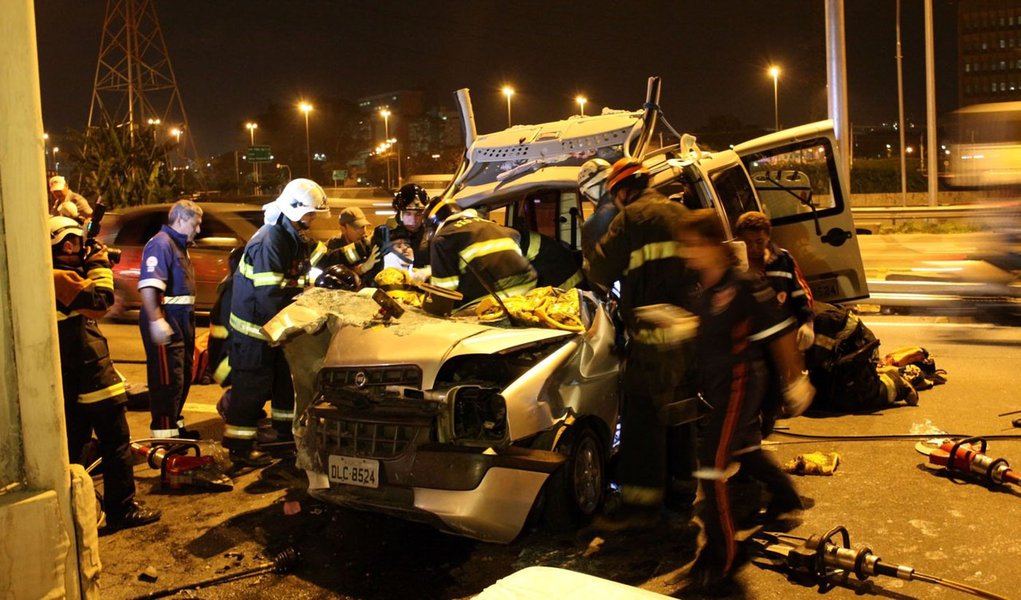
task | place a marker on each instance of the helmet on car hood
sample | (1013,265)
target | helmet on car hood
(592,178)
(339,277)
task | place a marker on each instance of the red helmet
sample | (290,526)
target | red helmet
(626,169)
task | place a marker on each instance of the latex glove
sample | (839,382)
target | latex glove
(421,275)
(160,331)
(369,262)
(806,336)
(797,396)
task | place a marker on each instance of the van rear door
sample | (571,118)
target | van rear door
(795,175)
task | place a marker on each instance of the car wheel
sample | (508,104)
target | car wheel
(575,491)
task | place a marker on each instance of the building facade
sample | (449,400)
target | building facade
(989,57)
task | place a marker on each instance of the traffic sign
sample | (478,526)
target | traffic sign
(258,154)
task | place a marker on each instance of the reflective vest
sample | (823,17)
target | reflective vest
(467,247)
(641,248)
(88,372)
(553,262)
(273,270)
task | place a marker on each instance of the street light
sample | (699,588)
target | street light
(508,91)
(280,166)
(775,72)
(56,163)
(306,108)
(46,153)
(177,135)
(386,135)
(251,127)
(581,100)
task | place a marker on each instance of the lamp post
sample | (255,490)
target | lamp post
(581,100)
(306,108)
(508,91)
(775,72)
(56,163)
(251,127)
(385,113)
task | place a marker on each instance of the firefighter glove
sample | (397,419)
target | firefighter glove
(160,331)
(797,396)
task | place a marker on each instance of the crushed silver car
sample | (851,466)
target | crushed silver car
(474,427)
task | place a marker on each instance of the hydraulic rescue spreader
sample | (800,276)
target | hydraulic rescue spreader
(962,457)
(829,560)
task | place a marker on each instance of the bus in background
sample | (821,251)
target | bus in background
(984,146)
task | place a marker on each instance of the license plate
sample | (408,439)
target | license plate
(363,472)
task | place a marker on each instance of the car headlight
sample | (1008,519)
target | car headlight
(477,414)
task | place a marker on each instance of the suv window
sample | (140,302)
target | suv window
(788,181)
(140,227)
(735,192)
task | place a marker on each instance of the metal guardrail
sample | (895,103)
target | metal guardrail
(872,218)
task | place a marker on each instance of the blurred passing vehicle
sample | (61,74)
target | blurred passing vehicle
(984,146)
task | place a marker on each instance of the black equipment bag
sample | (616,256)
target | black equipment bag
(842,362)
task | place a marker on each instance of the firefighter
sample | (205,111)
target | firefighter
(642,249)
(354,248)
(469,253)
(553,262)
(94,394)
(273,270)
(739,323)
(166,283)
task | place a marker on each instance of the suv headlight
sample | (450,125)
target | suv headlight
(477,415)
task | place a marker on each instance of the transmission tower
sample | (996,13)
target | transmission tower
(135,83)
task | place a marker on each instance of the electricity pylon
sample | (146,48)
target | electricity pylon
(135,83)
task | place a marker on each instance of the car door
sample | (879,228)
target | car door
(794,173)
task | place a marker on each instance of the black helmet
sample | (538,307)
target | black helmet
(411,197)
(438,211)
(339,277)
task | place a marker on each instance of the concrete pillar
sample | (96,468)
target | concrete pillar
(38,498)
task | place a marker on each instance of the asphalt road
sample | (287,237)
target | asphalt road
(881,492)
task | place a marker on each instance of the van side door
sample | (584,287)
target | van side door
(795,174)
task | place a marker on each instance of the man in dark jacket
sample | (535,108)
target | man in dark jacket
(94,394)
(642,249)
(273,270)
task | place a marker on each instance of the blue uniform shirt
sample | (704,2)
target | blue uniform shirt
(167,267)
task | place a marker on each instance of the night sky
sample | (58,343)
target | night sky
(234,58)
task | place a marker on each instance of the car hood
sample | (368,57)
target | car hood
(416,338)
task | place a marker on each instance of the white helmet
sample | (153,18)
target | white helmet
(61,227)
(592,178)
(300,197)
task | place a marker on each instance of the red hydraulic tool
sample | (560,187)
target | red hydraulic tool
(964,457)
(178,469)
(829,560)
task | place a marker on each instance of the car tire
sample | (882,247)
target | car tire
(575,491)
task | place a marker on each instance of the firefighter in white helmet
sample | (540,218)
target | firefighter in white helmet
(94,393)
(273,270)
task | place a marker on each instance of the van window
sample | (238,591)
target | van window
(735,192)
(790,183)
(140,227)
